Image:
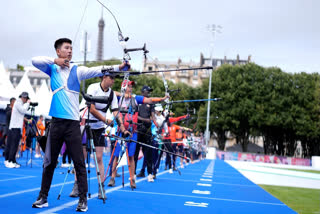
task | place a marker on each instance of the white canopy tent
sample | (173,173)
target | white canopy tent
(24,85)
(43,97)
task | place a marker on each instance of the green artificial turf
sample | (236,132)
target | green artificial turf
(301,200)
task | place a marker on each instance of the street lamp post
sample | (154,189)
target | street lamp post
(85,48)
(213,29)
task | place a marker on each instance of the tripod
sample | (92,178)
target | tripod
(91,149)
(33,139)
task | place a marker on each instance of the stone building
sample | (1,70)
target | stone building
(35,76)
(193,78)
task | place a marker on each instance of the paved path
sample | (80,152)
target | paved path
(264,174)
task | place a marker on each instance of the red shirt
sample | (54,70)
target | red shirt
(173,128)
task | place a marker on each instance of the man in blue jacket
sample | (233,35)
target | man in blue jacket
(64,110)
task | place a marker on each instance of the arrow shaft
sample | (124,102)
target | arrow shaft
(147,145)
(199,100)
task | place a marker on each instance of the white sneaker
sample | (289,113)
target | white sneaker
(65,165)
(150,178)
(170,171)
(16,165)
(6,162)
(10,165)
(91,165)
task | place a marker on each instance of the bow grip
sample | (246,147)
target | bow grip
(126,67)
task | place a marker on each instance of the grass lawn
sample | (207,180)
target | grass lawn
(301,200)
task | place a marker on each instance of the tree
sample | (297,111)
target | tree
(283,108)
(20,67)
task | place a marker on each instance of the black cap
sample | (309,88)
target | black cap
(146,88)
(25,95)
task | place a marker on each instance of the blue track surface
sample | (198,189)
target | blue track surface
(203,187)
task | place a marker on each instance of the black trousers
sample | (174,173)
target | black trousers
(155,155)
(147,151)
(174,157)
(165,146)
(68,131)
(14,136)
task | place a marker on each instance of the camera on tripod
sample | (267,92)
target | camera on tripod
(34,104)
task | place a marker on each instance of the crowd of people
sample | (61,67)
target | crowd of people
(130,125)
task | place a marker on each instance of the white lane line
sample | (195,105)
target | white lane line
(217,199)
(187,173)
(209,180)
(201,192)
(279,174)
(227,173)
(193,170)
(72,203)
(12,174)
(186,169)
(203,179)
(20,192)
(12,179)
(204,185)
(195,204)
(38,188)
(234,177)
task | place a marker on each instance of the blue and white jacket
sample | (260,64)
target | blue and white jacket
(65,85)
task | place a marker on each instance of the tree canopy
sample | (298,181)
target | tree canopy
(283,108)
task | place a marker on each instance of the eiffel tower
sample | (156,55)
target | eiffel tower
(100,38)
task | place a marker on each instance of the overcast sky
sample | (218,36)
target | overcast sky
(283,33)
